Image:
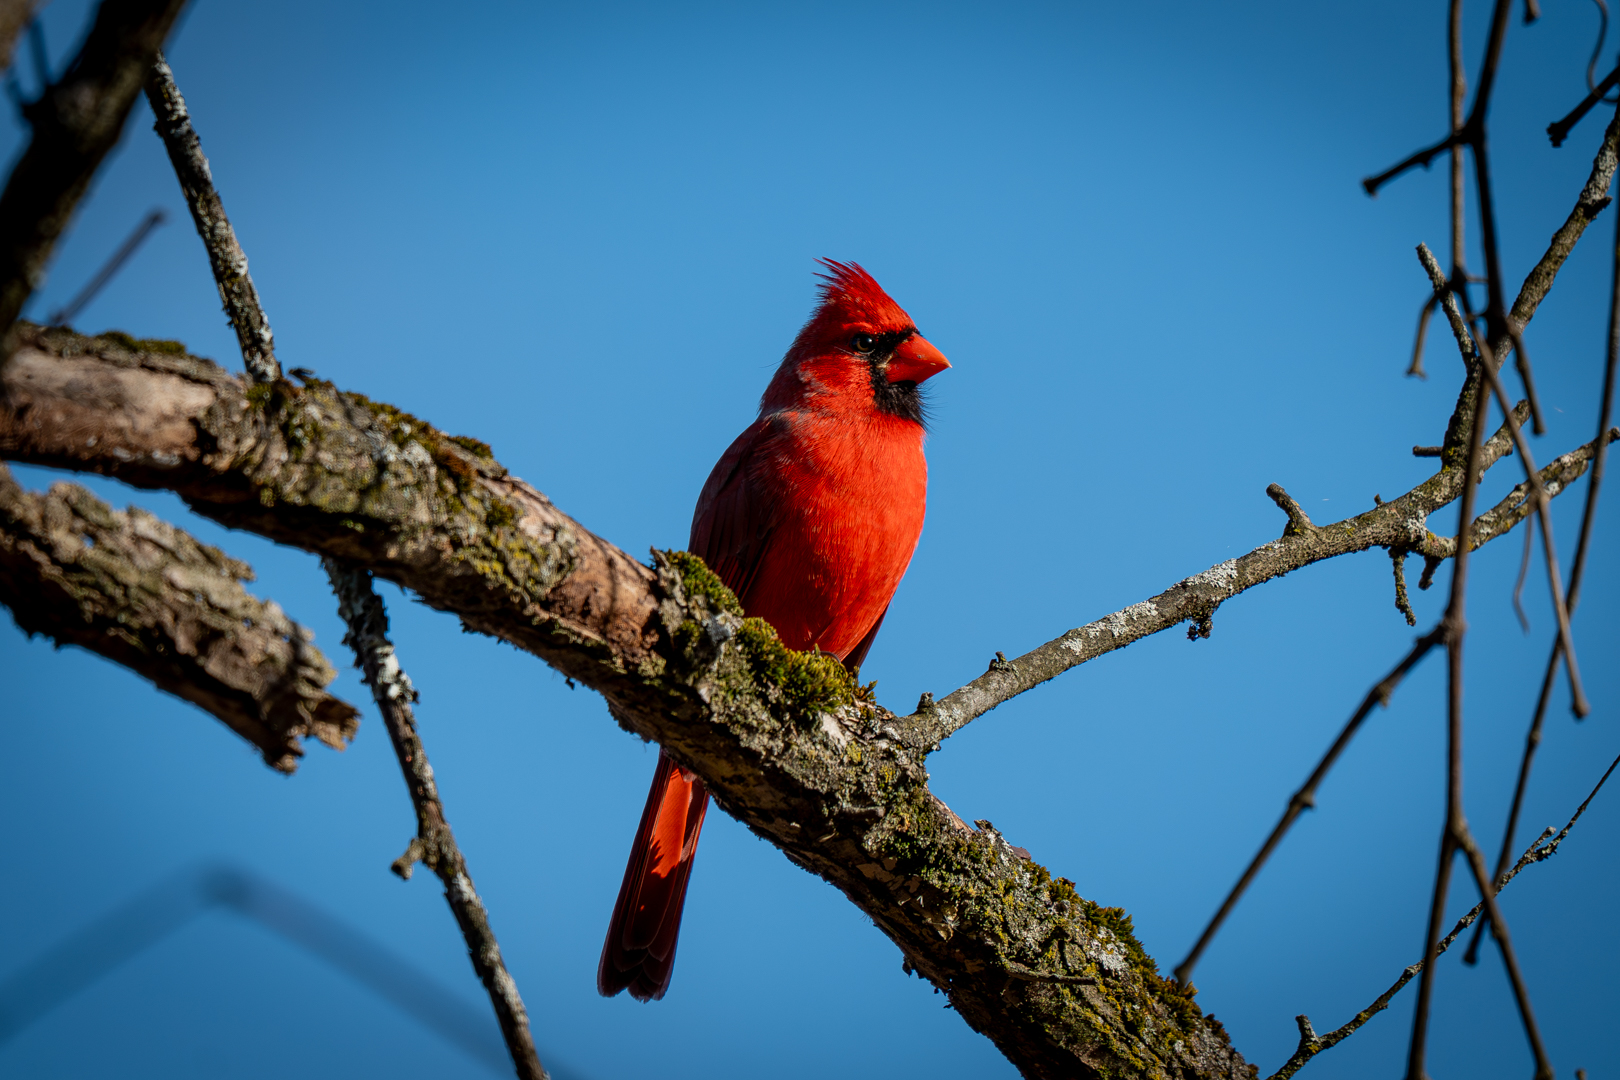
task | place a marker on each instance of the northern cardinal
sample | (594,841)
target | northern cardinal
(811,518)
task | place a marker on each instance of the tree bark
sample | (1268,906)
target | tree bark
(146,595)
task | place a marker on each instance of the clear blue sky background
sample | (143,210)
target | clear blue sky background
(585,234)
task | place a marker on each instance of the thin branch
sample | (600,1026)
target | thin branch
(1422,157)
(358,603)
(1310,1044)
(434,845)
(148,596)
(1453,626)
(1415,368)
(1457,92)
(225,255)
(1305,798)
(1576,571)
(1473,134)
(75,122)
(1559,130)
(1510,960)
(1403,602)
(1471,128)
(1487,367)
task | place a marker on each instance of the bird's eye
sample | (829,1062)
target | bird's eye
(864,343)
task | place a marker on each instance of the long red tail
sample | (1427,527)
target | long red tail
(639,954)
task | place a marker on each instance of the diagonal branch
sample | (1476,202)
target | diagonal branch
(1305,798)
(1559,130)
(1471,355)
(1311,1044)
(75,122)
(434,845)
(362,609)
(225,255)
(1399,523)
(1576,571)
(145,595)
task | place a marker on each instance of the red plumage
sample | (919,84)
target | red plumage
(811,518)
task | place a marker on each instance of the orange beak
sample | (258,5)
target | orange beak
(915,361)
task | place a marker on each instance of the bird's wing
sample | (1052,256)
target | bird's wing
(735,515)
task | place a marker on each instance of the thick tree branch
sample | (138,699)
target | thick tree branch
(146,595)
(76,121)
(782,739)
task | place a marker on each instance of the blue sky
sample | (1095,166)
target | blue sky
(585,234)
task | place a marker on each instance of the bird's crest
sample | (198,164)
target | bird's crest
(848,291)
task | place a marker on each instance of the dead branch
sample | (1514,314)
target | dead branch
(362,609)
(1576,572)
(146,595)
(75,122)
(1305,798)
(225,255)
(434,844)
(1311,1044)
(1540,500)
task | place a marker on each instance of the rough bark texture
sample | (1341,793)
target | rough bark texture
(76,121)
(786,741)
(225,255)
(146,595)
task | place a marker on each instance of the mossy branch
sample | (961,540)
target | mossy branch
(787,742)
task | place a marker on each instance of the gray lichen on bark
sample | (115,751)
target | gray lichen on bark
(147,595)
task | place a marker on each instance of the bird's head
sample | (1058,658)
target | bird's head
(859,350)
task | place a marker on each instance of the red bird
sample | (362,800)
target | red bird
(810,518)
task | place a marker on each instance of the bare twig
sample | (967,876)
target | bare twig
(1457,92)
(146,595)
(1597,47)
(1471,349)
(1472,134)
(1576,571)
(362,609)
(1415,368)
(225,255)
(1311,1044)
(1457,835)
(1559,130)
(75,122)
(1453,627)
(434,845)
(1305,797)
(1403,602)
